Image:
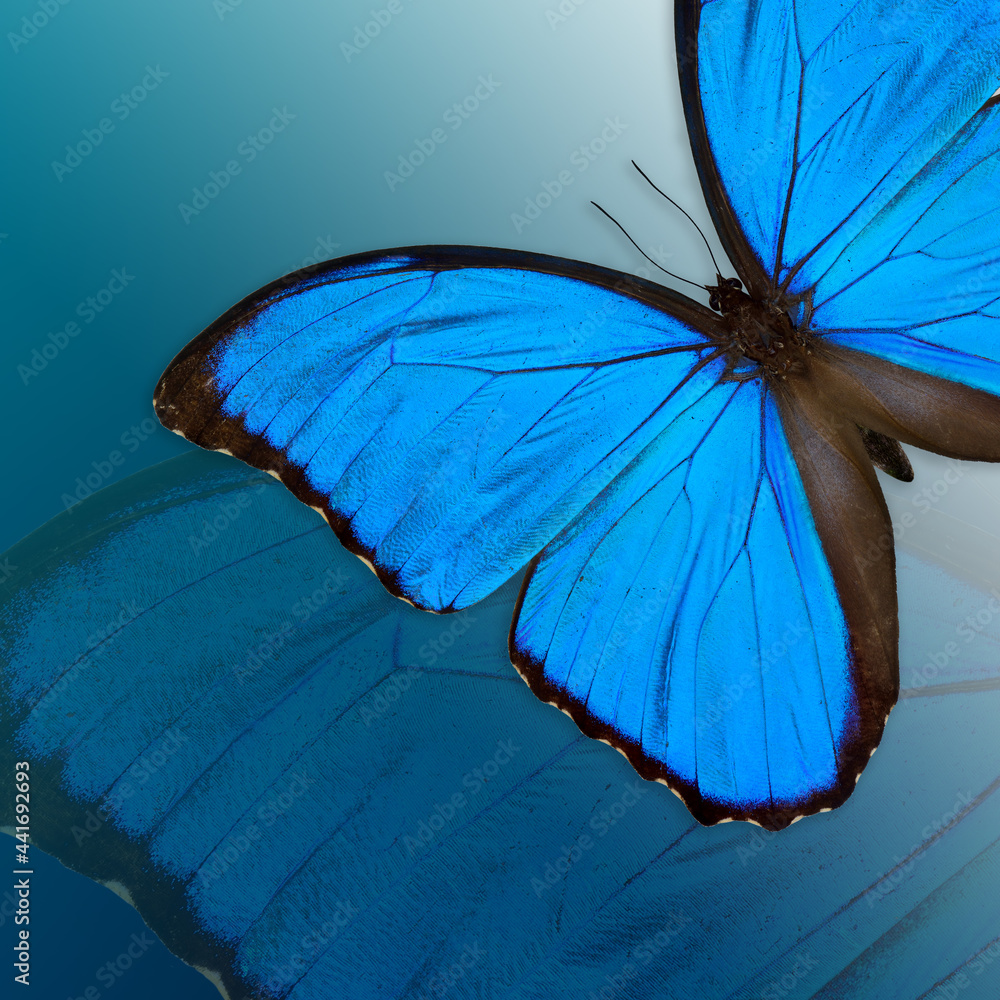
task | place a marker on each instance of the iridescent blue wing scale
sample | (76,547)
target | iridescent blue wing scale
(848,151)
(809,117)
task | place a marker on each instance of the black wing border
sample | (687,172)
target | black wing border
(687,25)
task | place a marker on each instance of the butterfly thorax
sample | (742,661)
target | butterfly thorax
(759,332)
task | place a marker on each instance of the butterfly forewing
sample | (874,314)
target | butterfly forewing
(447,419)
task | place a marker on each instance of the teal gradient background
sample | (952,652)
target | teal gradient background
(319,182)
(317,190)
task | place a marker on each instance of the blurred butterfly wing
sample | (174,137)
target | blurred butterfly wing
(693,618)
(898,255)
(438,405)
(317,805)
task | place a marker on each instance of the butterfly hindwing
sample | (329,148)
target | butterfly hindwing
(693,618)
(910,310)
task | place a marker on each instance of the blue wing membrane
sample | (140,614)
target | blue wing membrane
(321,378)
(850,151)
(809,117)
(920,286)
(447,410)
(691,618)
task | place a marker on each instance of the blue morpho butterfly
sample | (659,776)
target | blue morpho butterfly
(711,583)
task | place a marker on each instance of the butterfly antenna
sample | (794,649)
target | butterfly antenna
(674,203)
(643,252)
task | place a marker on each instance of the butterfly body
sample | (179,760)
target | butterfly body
(711,577)
(758,331)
